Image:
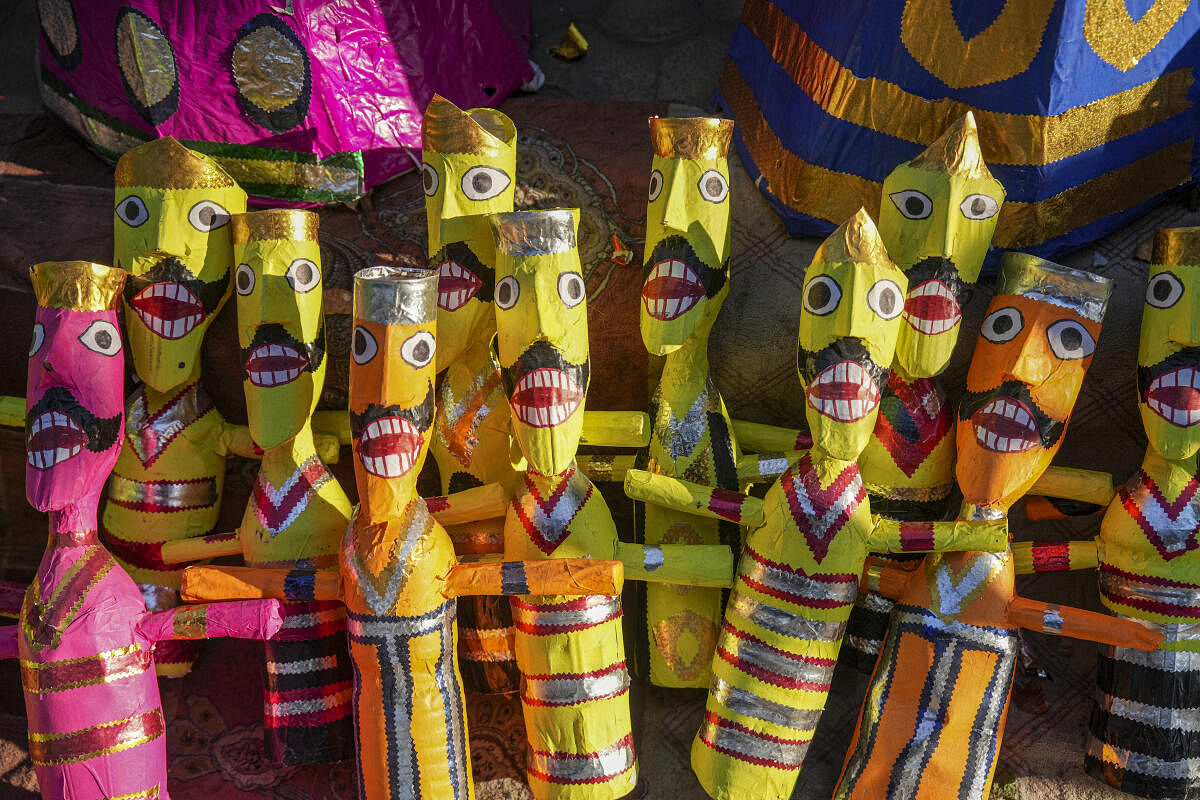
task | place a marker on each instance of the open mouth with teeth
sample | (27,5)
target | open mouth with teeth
(389,447)
(456,285)
(1175,396)
(671,289)
(1005,425)
(844,392)
(932,308)
(168,309)
(53,438)
(545,397)
(274,365)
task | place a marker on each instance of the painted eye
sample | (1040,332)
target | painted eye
(713,186)
(1002,325)
(912,204)
(429,180)
(571,289)
(484,183)
(207,216)
(656,184)
(244,279)
(507,291)
(822,295)
(1164,290)
(363,347)
(132,211)
(1069,340)
(979,206)
(418,349)
(303,275)
(886,299)
(102,337)
(39,336)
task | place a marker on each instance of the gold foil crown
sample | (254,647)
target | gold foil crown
(956,152)
(691,137)
(1177,246)
(396,295)
(166,164)
(535,233)
(77,285)
(478,131)
(1085,293)
(856,241)
(276,224)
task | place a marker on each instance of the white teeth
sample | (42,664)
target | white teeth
(672,307)
(933,327)
(392,465)
(1181,417)
(1168,379)
(1182,378)
(856,409)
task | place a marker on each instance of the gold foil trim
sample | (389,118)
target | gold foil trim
(395,295)
(691,137)
(146,794)
(956,152)
(666,637)
(145,57)
(478,131)
(75,673)
(106,738)
(1115,37)
(535,233)
(166,164)
(269,68)
(1085,293)
(276,224)
(1176,246)
(855,241)
(77,285)
(317,177)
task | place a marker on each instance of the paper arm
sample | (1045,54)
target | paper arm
(1082,485)
(12,411)
(208,584)
(570,576)
(198,548)
(885,579)
(1041,509)
(683,564)
(766,467)
(890,536)
(333,423)
(1079,624)
(605,467)
(1031,557)
(243,619)
(692,498)
(610,428)
(755,437)
(8,641)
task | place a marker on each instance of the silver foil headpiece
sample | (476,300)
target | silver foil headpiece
(535,233)
(396,295)
(1085,293)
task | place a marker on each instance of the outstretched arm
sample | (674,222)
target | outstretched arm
(683,564)
(1082,485)
(1030,557)
(766,467)
(692,498)
(333,423)
(242,619)
(198,548)
(470,505)
(605,468)
(890,536)
(8,641)
(12,411)
(755,437)
(207,584)
(1079,624)
(570,576)
(615,429)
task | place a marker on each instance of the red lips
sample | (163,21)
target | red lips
(274,365)
(389,447)
(1175,396)
(844,392)
(545,397)
(53,438)
(931,307)
(670,290)
(168,309)
(1005,425)
(456,285)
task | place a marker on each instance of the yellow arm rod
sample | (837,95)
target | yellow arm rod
(605,468)
(692,498)
(201,547)
(1031,557)
(683,564)
(766,467)
(890,536)
(214,584)
(1067,483)
(333,423)
(12,411)
(615,429)
(755,437)
(469,505)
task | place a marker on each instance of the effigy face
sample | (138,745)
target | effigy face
(852,302)
(542,337)
(74,393)
(937,218)
(391,382)
(1169,348)
(281,329)
(1034,348)
(172,235)
(686,274)
(469,171)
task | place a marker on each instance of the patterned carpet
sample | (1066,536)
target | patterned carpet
(56,201)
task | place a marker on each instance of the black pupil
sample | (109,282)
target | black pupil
(303,273)
(1071,338)
(504,293)
(714,186)
(654,179)
(131,209)
(206,215)
(427,179)
(914,205)
(243,280)
(482,182)
(887,301)
(978,206)
(103,339)
(573,289)
(819,295)
(1162,290)
(360,343)
(1002,324)
(421,351)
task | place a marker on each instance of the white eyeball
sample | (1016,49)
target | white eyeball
(207,216)
(507,292)
(303,275)
(912,204)
(656,185)
(418,349)
(1069,340)
(978,207)
(484,183)
(1002,325)
(102,337)
(429,180)
(571,289)
(713,186)
(886,299)
(132,211)
(243,279)
(1164,290)
(39,336)
(363,346)
(822,295)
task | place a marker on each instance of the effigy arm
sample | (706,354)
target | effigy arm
(891,536)
(615,429)
(198,548)
(1081,485)
(766,467)
(8,641)
(208,584)
(888,580)
(684,564)
(12,411)
(692,498)
(568,576)
(470,505)
(755,437)
(241,619)
(1080,624)
(1031,557)
(610,468)
(333,423)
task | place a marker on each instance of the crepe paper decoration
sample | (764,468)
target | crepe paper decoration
(573,45)
(85,640)
(569,649)
(685,282)
(305,105)
(1080,157)
(950,653)
(399,576)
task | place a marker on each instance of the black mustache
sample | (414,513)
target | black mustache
(274,333)
(466,258)
(102,432)
(811,364)
(1050,430)
(678,247)
(944,270)
(172,270)
(420,415)
(1186,357)
(543,354)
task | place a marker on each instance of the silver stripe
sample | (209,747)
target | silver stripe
(599,607)
(1182,719)
(745,744)
(200,493)
(1123,589)
(533,233)
(873,601)
(772,467)
(1166,660)
(1185,769)
(863,645)
(748,704)
(971,634)
(312,620)
(607,763)
(784,580)
(567,691)
(401,626)
(297,667)
(784,623)
(652,557)
(765,658)
(290,707)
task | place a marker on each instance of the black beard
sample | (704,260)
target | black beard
(1185,357)
(274,333)
(172,270)
(1050,430)
(678,247)
(101,432)
(466,258)
(543,354)
(847,348)
(419,415)
(944,270)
